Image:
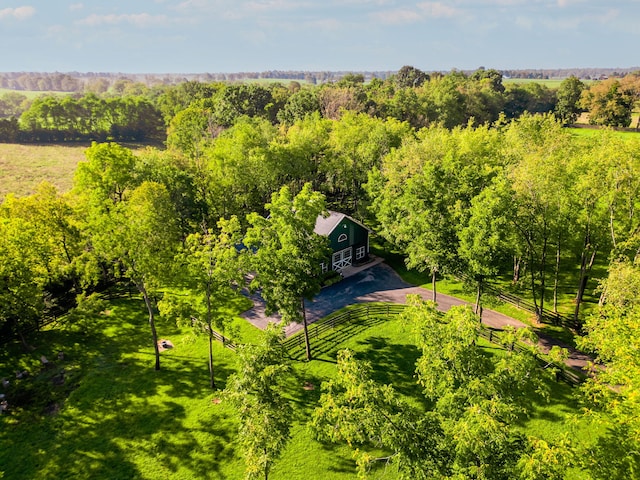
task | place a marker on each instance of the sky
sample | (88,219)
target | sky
(225,36)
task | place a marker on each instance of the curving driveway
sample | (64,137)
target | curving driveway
(380,283)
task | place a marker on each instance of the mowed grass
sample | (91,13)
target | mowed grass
(115,417)
(23,167)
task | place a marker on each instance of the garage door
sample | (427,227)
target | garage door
(342,259)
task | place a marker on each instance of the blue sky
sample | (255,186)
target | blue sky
(196,36)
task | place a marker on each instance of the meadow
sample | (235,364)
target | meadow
(115,417)
(23,167)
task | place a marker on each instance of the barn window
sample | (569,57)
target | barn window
(342,237)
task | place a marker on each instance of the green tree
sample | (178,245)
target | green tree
(107,175)
(612,393)
(422,194)
(257,392)
(288,253)
(608,103)
(474,401)
(23,276)
(210,265)
(569,93)
(139,237)
(409,76)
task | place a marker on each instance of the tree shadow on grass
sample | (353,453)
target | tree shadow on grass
(121,418)
(392,363)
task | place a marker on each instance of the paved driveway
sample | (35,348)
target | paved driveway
(381,283)
(376,284)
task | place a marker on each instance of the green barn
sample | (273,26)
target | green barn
(348,238)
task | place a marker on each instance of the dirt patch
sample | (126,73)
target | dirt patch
(164,344)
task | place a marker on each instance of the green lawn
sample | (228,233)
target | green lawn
(115,417)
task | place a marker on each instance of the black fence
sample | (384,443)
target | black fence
(547,316)
(368,313)
(356,313)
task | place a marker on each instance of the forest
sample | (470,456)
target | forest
(125,110)
(461,175)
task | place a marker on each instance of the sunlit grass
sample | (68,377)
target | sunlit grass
(115,417)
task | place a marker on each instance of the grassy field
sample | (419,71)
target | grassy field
(31,93)
(115,417)
(23,167)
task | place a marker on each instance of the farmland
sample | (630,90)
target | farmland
(23,167)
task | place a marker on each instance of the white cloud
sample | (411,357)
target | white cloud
(422,11)
(136,19)
(19,13)
(397,17)
(438,10)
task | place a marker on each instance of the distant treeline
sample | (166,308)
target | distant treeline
(192,110)
(92,81)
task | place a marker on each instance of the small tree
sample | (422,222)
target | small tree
(288,253)
(257,393)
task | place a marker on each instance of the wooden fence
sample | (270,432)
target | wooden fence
(548,316)
(358,312)
(369,312)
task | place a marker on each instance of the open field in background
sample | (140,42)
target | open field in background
(32,93)
(115,417)
(23,167)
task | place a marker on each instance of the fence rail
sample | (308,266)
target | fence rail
(224,340)
(360,312)
(356,312)
(547,316)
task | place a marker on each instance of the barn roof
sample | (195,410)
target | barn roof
(326,225)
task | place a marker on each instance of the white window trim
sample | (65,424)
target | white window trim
(342,237)
(361,252)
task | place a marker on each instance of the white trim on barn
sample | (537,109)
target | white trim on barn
(342,259)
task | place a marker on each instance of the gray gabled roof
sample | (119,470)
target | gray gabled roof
(326,225)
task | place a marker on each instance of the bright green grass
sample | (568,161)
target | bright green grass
(118,418)
(591,132)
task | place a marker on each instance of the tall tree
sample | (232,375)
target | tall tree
(288,253)
(139,238)
(257,392)
(473,401)
(210,265)
(569,93)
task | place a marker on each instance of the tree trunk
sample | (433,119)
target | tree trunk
(543,273)
(212,380)
(152,322)
(585,269)
(434,274)
(517,262)
(555,279)
(533,289)
(306,331)
(211,377)
(478,308)
(612,230)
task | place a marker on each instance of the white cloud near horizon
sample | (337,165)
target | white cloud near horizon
(19,13)
(136,19)
(420,12)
